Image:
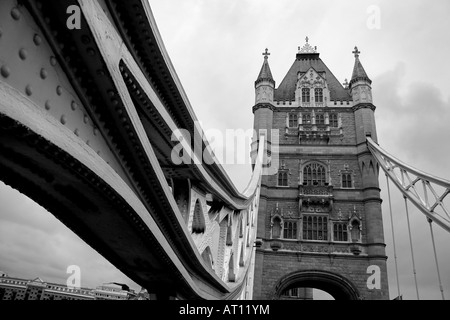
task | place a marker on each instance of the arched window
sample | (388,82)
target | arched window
(283,179)
(293,120)
(315,228)
(306,95)
(346,181)
(276,228)
(320,119)
(314,175)
(306,119)
(340,232)
(290,230)
(334,120)
(318,95)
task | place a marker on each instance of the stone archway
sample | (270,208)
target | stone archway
(336,285)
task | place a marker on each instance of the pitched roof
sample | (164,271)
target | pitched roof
(286,89)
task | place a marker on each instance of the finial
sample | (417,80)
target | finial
(266,54)
(346,86)
(307,48)
(356,52)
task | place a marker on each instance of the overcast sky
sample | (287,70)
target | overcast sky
(216,46)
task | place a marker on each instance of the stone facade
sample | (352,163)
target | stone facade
(320,220)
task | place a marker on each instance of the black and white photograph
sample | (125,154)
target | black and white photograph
(212,150)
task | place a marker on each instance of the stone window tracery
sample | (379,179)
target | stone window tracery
(314,174)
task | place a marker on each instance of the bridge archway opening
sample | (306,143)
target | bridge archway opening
(300,285)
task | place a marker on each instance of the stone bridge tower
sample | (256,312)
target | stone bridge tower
(320,221)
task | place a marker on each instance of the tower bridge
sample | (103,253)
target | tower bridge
(88,114)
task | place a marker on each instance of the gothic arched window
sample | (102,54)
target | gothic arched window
(293,120)
(290,230)
(346,181)
(340,232)
(315,228)
(306,95)
(283,179)
(334,120)
(320,119)
(306,119)
(318,95)
(314,175)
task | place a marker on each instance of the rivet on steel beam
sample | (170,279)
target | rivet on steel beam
(77,132)
(90,52)
(37,40)
(59,90)
(44,73)
(5,71)
(29,90)
(23,53)
(95,131)
(47,105)
(53,61)
(63,119)
(85,39)
(15,13)
(74,105)
(85,119)
(88,143)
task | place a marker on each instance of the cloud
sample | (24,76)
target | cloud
(412,121)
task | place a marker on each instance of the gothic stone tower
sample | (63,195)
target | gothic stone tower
(320,221)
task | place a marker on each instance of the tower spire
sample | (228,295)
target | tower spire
(265,74)
(358,71)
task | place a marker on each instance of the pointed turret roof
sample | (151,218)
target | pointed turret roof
(265,73)
(358,71)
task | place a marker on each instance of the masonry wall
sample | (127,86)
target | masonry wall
(277,258)
(276,265)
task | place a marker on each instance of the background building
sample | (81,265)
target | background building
(12,288)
